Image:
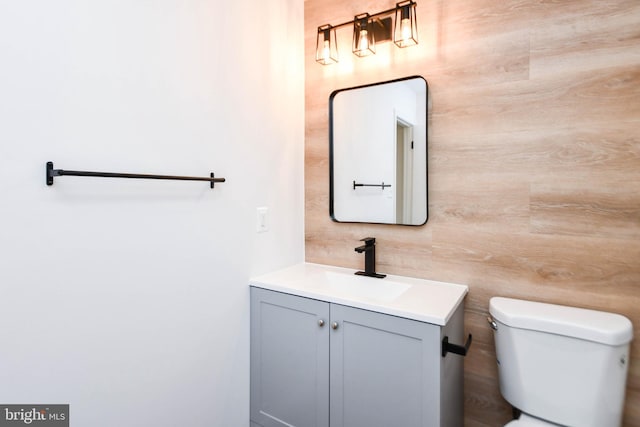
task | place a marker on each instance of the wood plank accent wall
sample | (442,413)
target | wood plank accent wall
(534,161)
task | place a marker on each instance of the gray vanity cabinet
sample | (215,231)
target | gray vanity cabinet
(289,360)
(319,364)
(382,370)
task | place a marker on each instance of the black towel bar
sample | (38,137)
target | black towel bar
(51,173)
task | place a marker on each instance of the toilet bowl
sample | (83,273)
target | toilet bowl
(527,421)
(559,365)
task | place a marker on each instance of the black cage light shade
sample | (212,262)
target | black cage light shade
(406,27)
(364,41)
(326,45)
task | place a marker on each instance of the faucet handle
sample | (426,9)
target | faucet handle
(369,241)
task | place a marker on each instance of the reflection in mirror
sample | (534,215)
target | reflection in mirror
(378,153)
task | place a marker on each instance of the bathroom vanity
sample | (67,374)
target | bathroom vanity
(329,348)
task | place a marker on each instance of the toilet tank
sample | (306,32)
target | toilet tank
(562,364)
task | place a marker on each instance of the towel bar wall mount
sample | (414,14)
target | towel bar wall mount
(51,173)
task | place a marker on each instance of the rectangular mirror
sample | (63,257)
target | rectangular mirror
(378,153)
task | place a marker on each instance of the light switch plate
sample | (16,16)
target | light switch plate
(261,219)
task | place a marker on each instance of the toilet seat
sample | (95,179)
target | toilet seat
(529,421)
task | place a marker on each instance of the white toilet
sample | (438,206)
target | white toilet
(561,365)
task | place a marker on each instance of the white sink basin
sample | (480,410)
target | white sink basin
(353,286)
(418,299)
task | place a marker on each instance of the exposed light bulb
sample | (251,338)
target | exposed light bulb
(326,51)
(405,29)
(364,41)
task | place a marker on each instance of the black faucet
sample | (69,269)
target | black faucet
(369,249)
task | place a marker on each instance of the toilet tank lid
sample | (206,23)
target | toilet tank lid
(606,328)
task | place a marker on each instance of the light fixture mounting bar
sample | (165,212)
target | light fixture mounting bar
(375,15)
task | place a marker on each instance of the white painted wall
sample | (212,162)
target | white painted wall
(128,299)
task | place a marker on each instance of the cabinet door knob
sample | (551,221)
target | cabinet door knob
(334,325)
(321,323)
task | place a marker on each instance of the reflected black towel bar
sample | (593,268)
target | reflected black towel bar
(383,185)
(51,173)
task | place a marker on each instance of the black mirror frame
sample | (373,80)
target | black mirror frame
(331,150)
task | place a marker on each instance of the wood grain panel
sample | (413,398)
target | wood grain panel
(632,409)
(502,57)
(584,205)
(566,102)
(488,201)
(588,264)
(568,45)
(582,151)
(534,162)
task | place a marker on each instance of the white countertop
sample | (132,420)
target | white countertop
(424,300)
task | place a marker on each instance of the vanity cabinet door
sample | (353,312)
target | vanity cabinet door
(384,370)
(289,360)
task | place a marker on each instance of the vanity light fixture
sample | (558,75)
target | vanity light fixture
(364,39)
(369,30)
(326,46)
(406,30)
